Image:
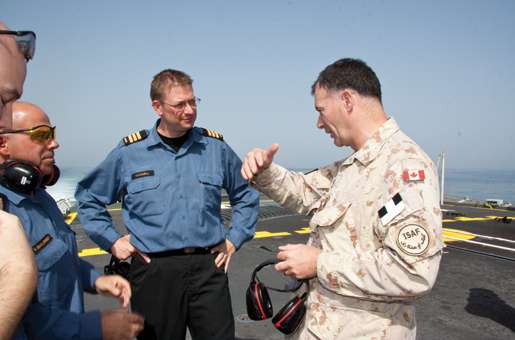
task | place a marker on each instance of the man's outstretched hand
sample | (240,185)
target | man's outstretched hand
(258,160)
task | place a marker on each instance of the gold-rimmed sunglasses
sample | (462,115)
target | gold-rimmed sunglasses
(40,134)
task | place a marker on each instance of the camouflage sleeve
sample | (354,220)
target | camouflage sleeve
(299,192)
(408,232)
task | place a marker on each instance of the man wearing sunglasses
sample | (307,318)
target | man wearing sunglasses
(18,274)
(170,180)
(57,310)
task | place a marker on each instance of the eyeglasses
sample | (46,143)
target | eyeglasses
(40,134)
(182,105)
(26,41)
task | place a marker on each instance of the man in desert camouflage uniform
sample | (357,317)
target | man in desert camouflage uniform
(375,242)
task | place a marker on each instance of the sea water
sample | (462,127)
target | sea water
(459,183)
(67,183)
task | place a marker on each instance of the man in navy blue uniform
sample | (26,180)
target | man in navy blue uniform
(57,309)
(169,179)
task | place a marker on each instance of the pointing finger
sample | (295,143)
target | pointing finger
(272,150)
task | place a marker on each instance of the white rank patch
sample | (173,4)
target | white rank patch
(413,239)
(391,209)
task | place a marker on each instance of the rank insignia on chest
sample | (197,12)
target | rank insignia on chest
(391,209)
(42,243)
(413,175)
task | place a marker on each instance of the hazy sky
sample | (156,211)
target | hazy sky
(447,70)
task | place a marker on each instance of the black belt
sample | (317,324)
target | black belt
(183,251)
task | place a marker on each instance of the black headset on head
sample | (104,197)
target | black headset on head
(259,305)
(24,177)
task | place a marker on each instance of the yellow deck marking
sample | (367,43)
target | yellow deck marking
(70,218)
(304,230)
(470,219)
(263,234)
(92,252)
(456,233)
(508,217)
(447,221)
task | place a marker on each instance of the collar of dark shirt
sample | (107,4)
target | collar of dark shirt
(175,143)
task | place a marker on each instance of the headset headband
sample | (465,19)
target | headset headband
(291,286)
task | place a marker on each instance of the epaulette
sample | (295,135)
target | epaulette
(135,137)
(212,134)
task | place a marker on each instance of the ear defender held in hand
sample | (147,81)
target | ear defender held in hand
(259,304)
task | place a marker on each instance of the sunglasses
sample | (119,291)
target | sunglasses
(40,134)
(26,41)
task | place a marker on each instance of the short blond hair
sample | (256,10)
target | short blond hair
(165,79)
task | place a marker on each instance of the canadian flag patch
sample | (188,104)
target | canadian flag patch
(413,175)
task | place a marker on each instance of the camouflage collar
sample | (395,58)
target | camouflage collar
(374,144)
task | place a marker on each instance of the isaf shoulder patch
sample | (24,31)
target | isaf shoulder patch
(212,134)
(42,243)
(413,239)
(135,137)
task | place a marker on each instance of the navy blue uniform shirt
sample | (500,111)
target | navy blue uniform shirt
(57,310)
(170,200)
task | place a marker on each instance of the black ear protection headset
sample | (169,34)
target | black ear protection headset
(24,177)
(259,305)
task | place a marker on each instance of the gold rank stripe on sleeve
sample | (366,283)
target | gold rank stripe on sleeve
(135,137)
(212,134)
(42,243)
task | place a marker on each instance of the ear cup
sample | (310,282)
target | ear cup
(290,316)
(259,305)
(21,176)
(49,180)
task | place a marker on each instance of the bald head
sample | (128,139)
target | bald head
(27,115)
(26,143)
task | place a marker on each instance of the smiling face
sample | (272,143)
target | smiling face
(177,110)
(20,146)
(333,118)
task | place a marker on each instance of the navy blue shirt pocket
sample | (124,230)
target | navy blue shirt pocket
(143,196)
(57,274)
